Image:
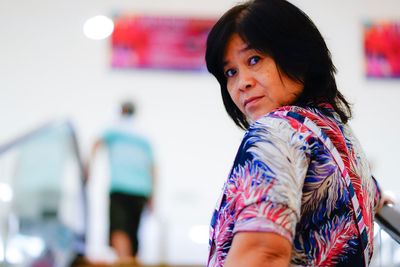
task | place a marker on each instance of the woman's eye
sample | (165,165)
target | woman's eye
(253,60)
(230,72)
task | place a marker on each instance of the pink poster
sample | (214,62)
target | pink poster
(159,42)
(382,49)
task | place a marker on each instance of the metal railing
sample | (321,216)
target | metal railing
(387,238)
(388,219)
(43,217)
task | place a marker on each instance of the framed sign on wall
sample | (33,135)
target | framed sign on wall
(159,42)
(382,49)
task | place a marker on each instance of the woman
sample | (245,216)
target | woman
(300,190)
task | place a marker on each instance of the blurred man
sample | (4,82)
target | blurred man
(132,180)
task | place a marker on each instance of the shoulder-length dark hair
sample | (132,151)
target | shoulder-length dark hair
(281,30)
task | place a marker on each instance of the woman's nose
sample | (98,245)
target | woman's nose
(246,80)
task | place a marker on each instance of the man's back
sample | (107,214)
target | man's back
(131,161)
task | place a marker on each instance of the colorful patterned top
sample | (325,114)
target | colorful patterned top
(285,181)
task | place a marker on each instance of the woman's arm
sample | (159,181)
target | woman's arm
(381,198)
(259,249)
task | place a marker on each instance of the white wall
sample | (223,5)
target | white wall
(49,70)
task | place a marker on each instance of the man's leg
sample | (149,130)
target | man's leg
(119,237)
(122,245)
(137,205)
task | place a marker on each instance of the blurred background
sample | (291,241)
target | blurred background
(58,78)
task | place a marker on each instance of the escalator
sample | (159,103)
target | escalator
(42,198)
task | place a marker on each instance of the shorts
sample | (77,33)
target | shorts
(125,213)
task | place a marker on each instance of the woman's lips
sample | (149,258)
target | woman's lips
(251,100)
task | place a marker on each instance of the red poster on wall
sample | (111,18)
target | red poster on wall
(159,42)
(382,49)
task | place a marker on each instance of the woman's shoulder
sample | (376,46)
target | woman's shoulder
(278,119)
(279,128)
(288,122)
(318,113)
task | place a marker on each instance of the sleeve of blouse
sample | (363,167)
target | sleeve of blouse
(272,175)
(377,195)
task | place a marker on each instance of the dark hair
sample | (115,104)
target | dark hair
(284,32)
(127,108)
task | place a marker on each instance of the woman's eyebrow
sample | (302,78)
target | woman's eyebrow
(242,50)
(245,49)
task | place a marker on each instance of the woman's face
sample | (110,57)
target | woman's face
(254,82)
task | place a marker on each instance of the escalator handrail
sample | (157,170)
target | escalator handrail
(45,128)
(31,134)
(388,219)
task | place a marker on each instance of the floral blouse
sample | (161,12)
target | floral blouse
(285,181)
